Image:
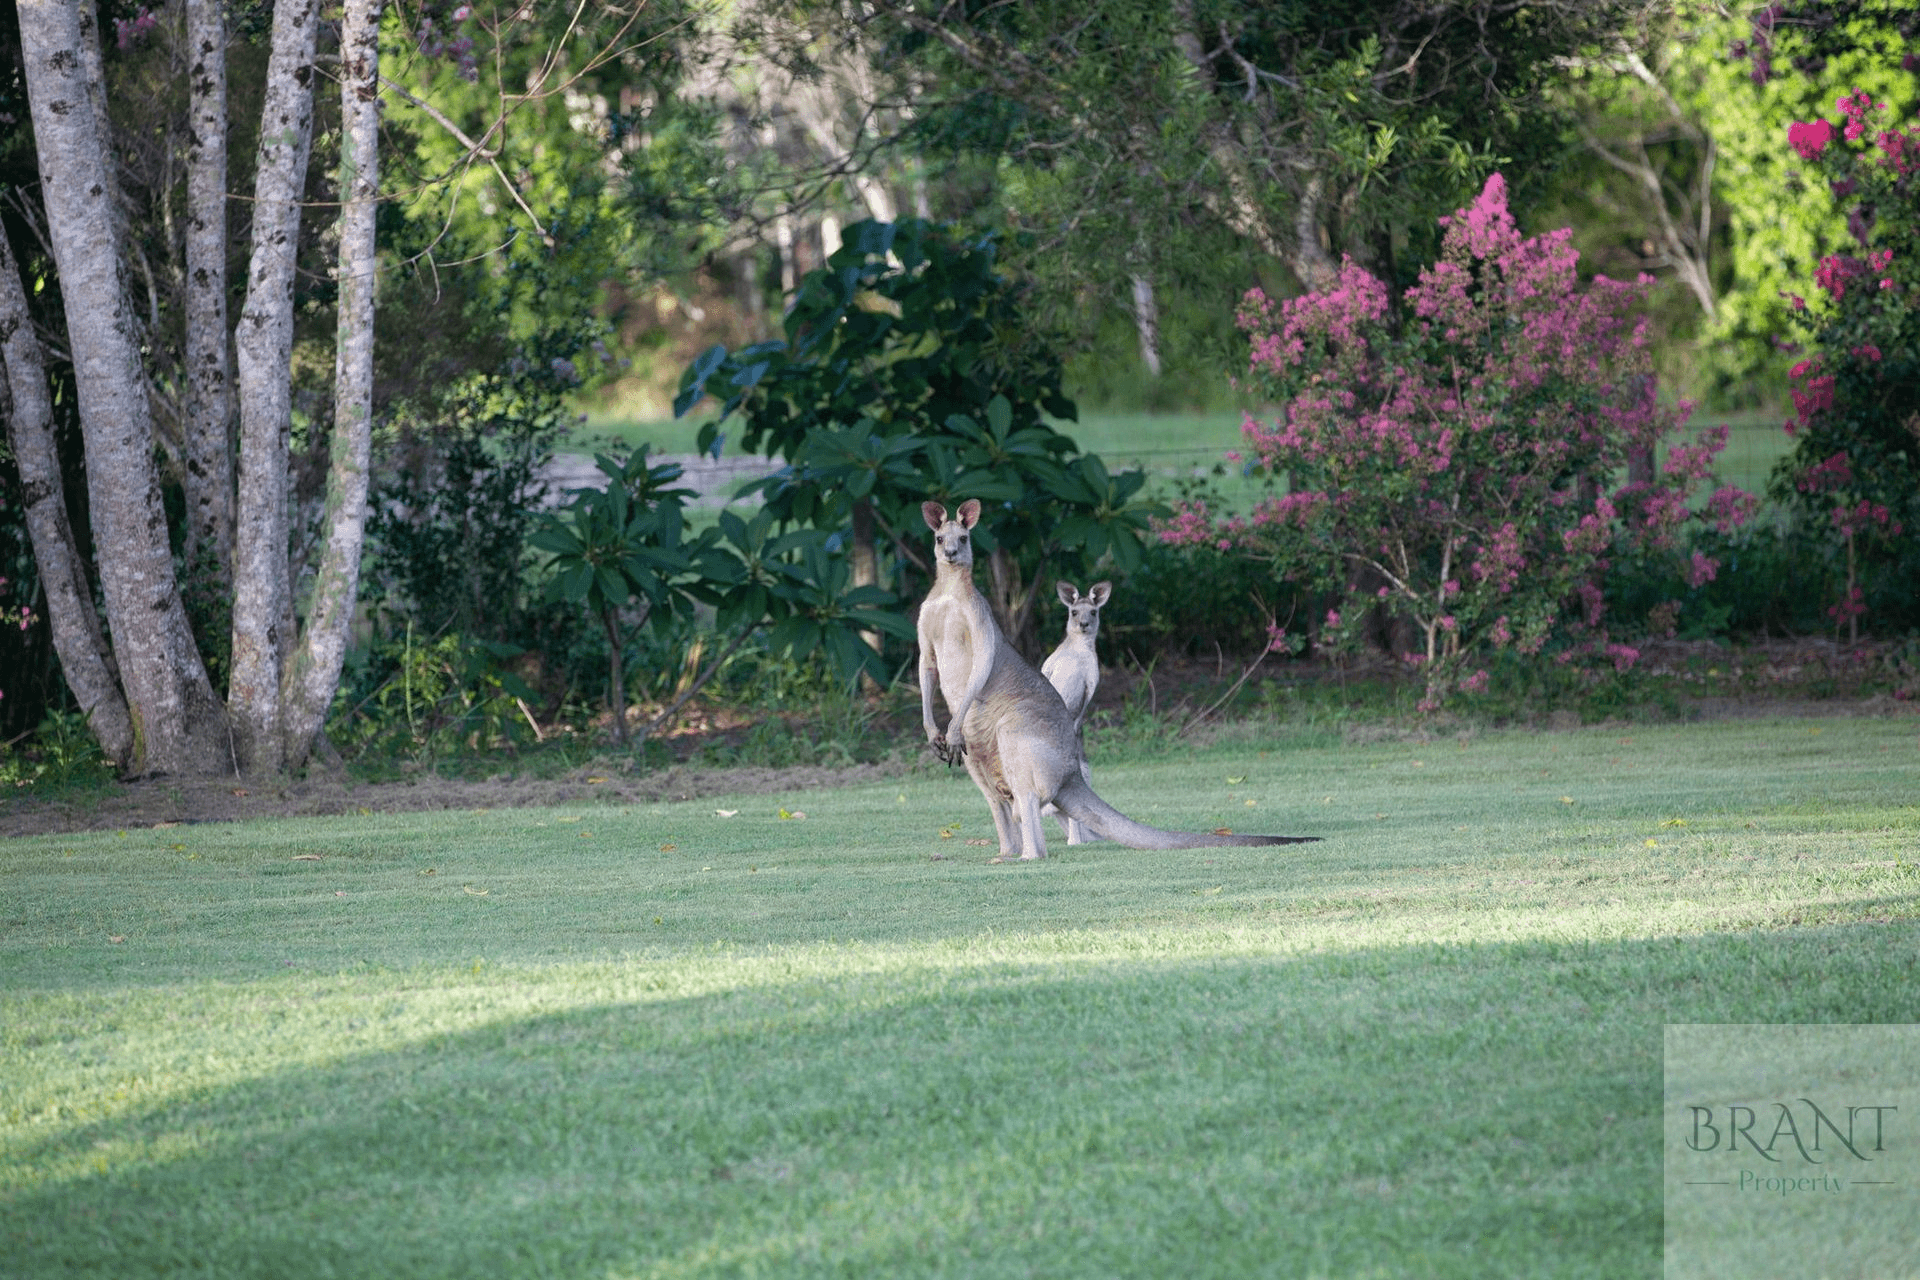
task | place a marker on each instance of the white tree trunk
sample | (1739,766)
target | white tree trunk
(84,658)
(178,726)
(207,449)
(264,345)
(1146,318)
(315,671)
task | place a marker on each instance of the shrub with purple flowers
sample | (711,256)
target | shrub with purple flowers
(1854,472)
(1464,467)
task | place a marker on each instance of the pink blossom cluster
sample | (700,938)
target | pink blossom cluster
(1730,507)
(1836,472)
(1864,515)
(129,32)
(1856,106)
(1189,526)
(1814,398)
(1809,139)
(1696,461)
(1332,322)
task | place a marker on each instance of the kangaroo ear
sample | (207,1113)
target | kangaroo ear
(1068,592)
(969,512)
(1099,592)
(934,514)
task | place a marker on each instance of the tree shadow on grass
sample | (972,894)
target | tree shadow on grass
(1463,1110)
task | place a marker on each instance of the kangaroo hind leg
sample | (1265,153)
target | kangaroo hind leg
(1033,837)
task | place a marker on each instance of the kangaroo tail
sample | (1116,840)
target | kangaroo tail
(1077,800)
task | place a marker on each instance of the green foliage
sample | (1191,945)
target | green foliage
(1165,141)
(455,499)
(562,98)
(60,755)
(624,551)
(908,373)
(1780,226)
(419,699)
(1195,602)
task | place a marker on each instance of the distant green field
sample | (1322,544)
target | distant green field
(1175,445)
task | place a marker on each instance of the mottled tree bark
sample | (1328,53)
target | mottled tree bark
(178,725)
(84,657)
(264,346)
(1146,319)
(315,672)
(207,449)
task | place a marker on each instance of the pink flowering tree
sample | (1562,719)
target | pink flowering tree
(1854,471)
(1472,463)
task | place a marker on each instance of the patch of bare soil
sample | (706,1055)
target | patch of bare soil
(158,801)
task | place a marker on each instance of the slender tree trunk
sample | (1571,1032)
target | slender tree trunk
(264,344)
(783,239)
(178,725)
(1146,318)
(207,448)
(616,677)
(315,672)
(85,659)
(863,560)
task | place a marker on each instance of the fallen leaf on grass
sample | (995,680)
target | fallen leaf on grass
(595,781)
(1566,799)
(308,857)
(724,813)
(668,848)
(1674,822)
(239,791)
(1234,782)
(1653,844)
(1252,803)
(162,826)
(1223,831)
(982,843)
(429,871)
(1210,892)
(116,937)
(478,893)
(796,815)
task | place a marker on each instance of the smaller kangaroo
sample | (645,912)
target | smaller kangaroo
(1074,671)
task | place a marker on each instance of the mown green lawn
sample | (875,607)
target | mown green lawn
(659,1041)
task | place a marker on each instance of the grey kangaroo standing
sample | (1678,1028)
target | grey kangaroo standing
(1006,722)
(1074,672)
